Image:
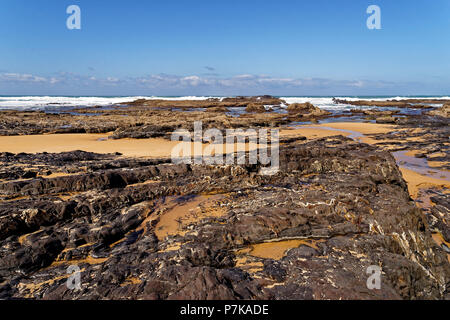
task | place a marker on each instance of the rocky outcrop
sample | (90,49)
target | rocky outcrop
(387,119)
(406,103)
(443,111)
(145,118)
(141,229)
(306,109)
(150,229)
(255,107)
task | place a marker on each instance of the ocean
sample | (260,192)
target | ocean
(62,102)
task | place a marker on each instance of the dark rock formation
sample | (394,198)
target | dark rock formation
(387,119)
(306,108)
(142,229)
(150,229)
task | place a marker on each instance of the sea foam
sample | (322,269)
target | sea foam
(55,102)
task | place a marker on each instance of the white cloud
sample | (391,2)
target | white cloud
(198,84)
(21,77)
(111,79)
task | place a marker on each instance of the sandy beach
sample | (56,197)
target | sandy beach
(52,143)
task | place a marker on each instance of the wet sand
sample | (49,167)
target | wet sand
(361,127)
(407,160)
(99,143)
(277,249)
(357,130)
(155,147)
(311,132)
(418,173)
(417,181)
(179,215)
(152,147)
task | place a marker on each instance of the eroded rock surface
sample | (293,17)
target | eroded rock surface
(306,108)
(443,111)
(149,229)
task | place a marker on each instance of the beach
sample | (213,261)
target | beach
(161,148)
(98,186)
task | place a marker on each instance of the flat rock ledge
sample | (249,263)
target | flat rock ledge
(141,229)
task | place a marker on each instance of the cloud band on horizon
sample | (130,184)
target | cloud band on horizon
(166,84)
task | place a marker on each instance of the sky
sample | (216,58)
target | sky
(228,47)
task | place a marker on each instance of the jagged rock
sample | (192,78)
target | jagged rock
(443,111)
(254,107)
(308,232)
(390,120)
(306,109)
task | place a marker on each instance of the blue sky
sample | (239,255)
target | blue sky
(232,47)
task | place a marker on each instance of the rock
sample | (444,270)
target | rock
(150,229)
(335,207)
(306,110)
(219,109)
(404,103)
(443,111)
(301,107)
(253,107)
(388,119)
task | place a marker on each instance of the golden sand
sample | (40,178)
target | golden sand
(275,250)
(68,195)
(99,143)
(437,164)
(311,133)
(156,147)
(411,153)
(88,260)
(437,154)
(364,128)
(355,130)
(417,181)
(434,163)
(142,183)
(178,216)
(174,247)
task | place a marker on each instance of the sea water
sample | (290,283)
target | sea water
(62,102)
